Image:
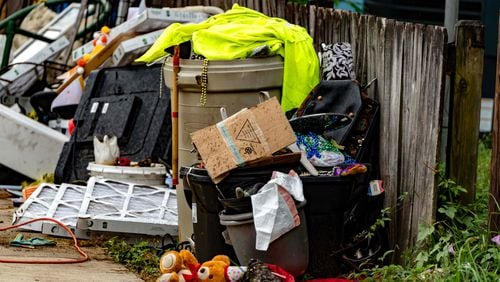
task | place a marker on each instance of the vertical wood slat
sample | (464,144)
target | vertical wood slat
(407,129)
(466,106)
(334,19)
(389,99)
(494,210)
(218,3)
(372,55)
(346,26)
(319,29)
(362,50)
(312,21)
(380,58)
(419,126)
(303,17)
(281,9)
(289,12)
(435,84)
(354,40)
(266,8)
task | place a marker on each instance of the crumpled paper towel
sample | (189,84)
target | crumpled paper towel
(274,210)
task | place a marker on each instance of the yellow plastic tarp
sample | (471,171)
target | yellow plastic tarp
(237,34)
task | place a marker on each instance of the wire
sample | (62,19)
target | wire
(84,255)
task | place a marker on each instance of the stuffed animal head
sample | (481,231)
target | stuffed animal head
(214,270)
(178,266)
(171,262)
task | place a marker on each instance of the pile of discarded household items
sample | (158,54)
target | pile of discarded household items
(270,147)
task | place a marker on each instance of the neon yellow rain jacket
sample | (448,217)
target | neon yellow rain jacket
(240,31)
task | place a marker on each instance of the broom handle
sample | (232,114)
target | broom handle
(175,118)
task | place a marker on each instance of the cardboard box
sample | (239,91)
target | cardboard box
(243,138)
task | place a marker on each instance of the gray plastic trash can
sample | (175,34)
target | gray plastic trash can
(290,251)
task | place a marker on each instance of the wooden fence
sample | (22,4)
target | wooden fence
(409,61)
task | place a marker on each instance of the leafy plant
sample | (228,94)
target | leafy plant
(458,246)
(140,258)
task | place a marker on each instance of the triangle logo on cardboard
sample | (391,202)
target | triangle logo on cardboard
(247,133)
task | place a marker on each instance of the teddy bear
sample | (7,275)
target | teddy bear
(178,267)
(218,270)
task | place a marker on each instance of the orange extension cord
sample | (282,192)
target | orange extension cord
(84,258)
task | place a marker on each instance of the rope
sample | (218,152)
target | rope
(84,257)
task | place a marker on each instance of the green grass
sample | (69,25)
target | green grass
(140,258)
(458,246)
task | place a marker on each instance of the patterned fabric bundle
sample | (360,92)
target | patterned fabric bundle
(337,61)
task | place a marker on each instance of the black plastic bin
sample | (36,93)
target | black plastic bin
(207,228)
(124,102)
(328,197)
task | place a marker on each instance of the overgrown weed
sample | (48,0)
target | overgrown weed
(140,258)
(458,246)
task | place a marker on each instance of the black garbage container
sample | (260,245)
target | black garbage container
(202,192)
(328,197)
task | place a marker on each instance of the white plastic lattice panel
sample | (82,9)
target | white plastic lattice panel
(147,21)
(36,206)
(57,27)
(65,208)
(116,206)
(20,77)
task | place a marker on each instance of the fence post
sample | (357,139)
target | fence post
(466,106)
(494,209)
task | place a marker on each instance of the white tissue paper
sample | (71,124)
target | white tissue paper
(274,210)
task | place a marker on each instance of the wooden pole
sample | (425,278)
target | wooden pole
(494,208)
(175,119)
(466,106)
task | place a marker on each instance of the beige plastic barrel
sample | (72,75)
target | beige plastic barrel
(232,85)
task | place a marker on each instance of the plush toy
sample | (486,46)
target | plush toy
(178,266)
(218,270)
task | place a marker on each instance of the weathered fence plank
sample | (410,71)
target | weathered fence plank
(380,64)
(466,106)
(494,203)
(372,53)
(390,107)
(416,108)
(312,20)
(408,129)
(280,8)
(434,83)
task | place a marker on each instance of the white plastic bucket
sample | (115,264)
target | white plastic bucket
(154,175)
(233,85)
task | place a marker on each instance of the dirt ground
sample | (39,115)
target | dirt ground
(99,268)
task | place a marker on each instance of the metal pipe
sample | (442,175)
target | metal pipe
(451,18)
